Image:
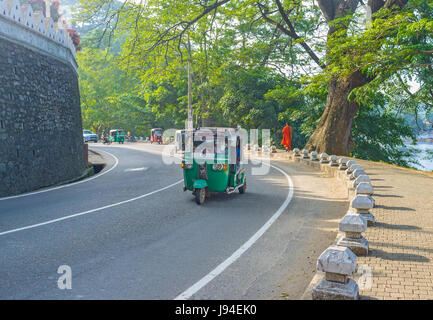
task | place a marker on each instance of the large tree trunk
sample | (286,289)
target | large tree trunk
(333,133)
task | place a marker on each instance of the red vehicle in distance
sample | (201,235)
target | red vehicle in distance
(156,135)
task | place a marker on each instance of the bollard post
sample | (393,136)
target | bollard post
(366,189)
(352,168)
(343,164)
(350,163)
(352,184)
(356,173)
(342,168)
(314,156)
(333,161)
(363,204)
(305,157)
(353,225)
(360,179)
(338,263)
(324,164)
(314,160)
(324,158)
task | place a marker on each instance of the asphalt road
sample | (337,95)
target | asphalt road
(132,233)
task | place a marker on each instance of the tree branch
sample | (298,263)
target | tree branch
(162,39)
(295,36)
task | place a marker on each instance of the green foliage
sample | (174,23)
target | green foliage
(247,71)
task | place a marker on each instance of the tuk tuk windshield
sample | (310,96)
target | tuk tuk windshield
(220,143)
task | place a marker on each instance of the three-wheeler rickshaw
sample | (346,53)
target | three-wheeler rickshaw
(156,135)
(117,135)
(215,162)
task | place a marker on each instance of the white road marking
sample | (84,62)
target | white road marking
(136,169)
(89,211)
(188,293)
(66,185)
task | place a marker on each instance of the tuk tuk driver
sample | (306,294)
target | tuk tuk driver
(238,155)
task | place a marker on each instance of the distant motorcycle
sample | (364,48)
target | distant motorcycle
(105,140)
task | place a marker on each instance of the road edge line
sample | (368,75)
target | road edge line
(88,211)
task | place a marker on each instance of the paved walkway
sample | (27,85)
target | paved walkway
(400,261)
(401,243)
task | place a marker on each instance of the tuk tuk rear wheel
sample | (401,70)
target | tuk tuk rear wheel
(200,195)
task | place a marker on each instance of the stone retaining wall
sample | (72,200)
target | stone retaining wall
(41,142)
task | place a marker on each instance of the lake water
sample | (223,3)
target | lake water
(422,157)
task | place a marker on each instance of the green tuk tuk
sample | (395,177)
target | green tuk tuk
(117,135)
(215,162)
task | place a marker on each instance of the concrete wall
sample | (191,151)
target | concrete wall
(41,141)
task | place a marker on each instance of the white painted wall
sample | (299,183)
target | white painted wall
(18,23)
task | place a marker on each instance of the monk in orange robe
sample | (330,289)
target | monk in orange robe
(287,137)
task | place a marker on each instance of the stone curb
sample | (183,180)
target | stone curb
(338,173)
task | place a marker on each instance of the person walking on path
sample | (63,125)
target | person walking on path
(287,137)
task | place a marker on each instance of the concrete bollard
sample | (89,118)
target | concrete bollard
(314,156)
(360,179)
(353,225)
(356,173)
(352,184)
(305,154)
(352,168)
(366,189)
(274,149)
(350,163)
(324,158)
(338,263)
(363,204)
(333,161)
(296,155)
(343,164)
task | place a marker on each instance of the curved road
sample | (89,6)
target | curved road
(132,233)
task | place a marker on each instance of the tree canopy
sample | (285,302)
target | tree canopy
(344,74)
